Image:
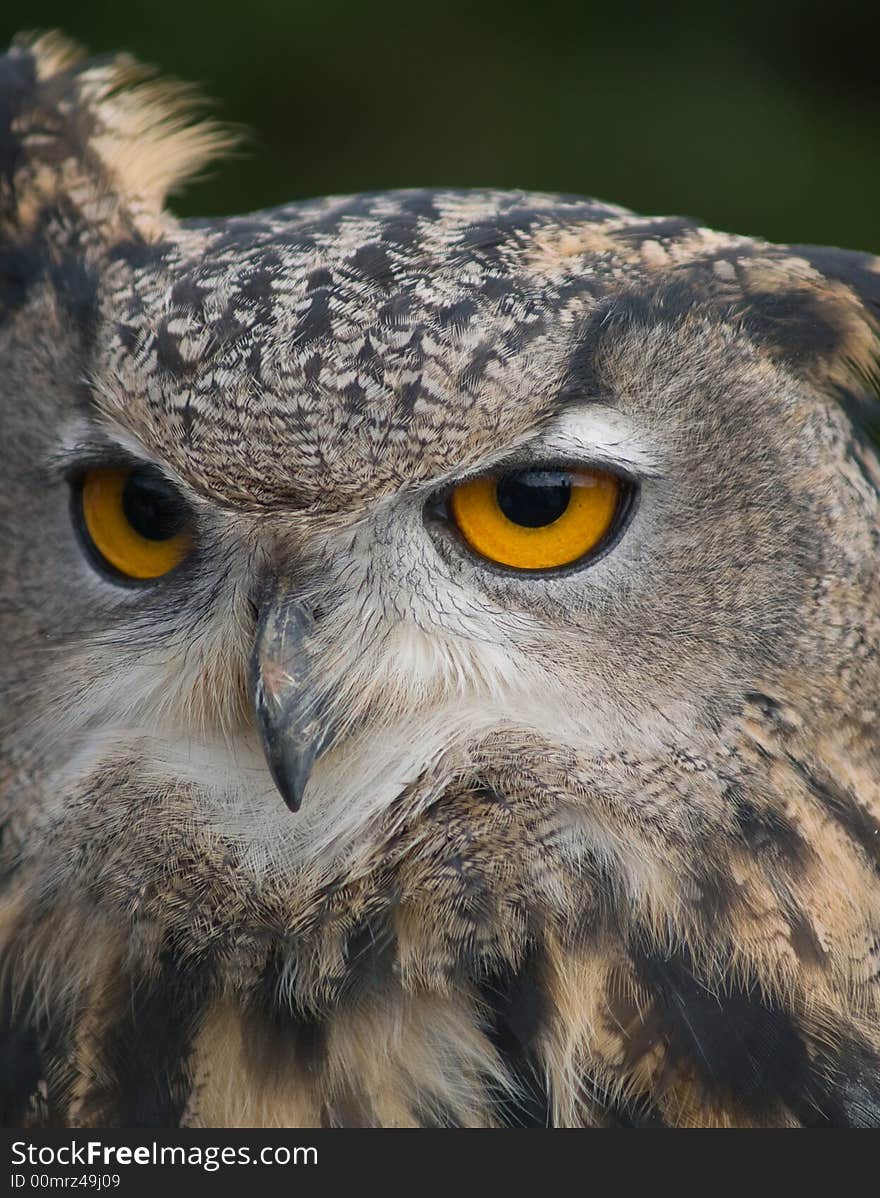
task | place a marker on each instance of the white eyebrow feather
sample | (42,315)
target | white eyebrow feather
(597,434)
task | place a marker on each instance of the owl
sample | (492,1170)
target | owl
(440,650)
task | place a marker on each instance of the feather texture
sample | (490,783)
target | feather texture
(591,848)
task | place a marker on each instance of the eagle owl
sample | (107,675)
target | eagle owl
(440,633)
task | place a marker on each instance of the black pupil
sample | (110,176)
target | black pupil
(534,498)
(151,506)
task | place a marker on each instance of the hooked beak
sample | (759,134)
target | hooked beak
(287,699)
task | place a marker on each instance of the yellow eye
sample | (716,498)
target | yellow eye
(536,519)
(134,521)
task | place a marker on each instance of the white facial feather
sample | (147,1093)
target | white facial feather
(598,434)
(419,662)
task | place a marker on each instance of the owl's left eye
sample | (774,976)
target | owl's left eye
(133,521)
(539,519)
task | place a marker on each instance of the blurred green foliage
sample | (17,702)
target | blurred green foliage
(761,118)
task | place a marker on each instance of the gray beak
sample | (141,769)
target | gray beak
(286,696)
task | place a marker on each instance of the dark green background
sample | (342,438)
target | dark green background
(762,118)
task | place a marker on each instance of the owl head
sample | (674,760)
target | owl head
(440,648)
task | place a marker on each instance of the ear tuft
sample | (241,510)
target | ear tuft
(859,275)
(100,143)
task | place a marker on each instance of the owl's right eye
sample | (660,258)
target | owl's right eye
(134,524)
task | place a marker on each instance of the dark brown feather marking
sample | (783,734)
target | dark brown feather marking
(370,950)
(856,821)
(21,1064)
(278,1037)
(145,1049)
(750,1053)
(516,1003)
(766,831)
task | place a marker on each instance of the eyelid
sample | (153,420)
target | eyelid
(75,470)
(558,447)
(518,462)
(83,445)
(70,462)
(635,467)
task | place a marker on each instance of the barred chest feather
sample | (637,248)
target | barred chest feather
(499,963)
